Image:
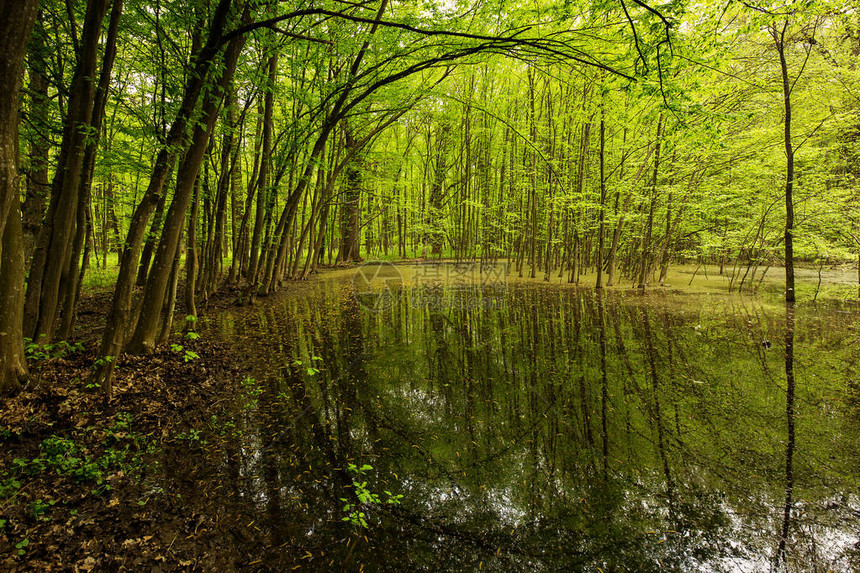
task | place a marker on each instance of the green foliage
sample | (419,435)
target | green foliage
(61,349)
(192,436)
(40,508)
(187,355)
(310,369)
(355,513)
(66,457)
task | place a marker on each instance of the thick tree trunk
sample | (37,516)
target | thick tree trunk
(350,246)
(13,364)
(16,23)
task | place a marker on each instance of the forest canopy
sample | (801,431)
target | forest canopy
(174,147)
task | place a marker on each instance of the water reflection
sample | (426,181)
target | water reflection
(549,429)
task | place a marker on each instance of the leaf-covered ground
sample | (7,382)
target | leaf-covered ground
(78,470)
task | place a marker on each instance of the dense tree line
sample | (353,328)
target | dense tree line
(248,142)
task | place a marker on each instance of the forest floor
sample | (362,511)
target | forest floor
(77,467)
(73,461)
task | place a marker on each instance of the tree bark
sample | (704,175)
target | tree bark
(111,342)
(38,185)
(16,23)
(143,339)
(53,248)
(779,40)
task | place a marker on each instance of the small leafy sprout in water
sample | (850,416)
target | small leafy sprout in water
(192,435)
(310,368)
(21,546)
(354,515)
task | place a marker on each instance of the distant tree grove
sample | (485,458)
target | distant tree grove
(249,142)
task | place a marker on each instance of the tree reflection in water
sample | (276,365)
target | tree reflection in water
(553,429)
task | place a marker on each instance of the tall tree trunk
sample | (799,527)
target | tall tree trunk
(143,339)
(602,214)
(53,248)
(38,186)
(263,176)
(646,244)
(191,255)
(16,23)
(350,247)
(71,284)
(779,40)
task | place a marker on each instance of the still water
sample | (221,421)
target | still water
(490,424)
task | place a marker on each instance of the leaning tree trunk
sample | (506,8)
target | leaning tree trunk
(143,339)
(111,342)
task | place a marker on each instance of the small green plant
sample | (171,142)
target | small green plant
(40,508)
(192,435)
(366,498)
(96,365)
(223,427)
(311,368)
(9,486)
(187,355)
(36,351)
(21,546)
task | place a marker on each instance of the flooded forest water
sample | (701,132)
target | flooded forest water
(402,421)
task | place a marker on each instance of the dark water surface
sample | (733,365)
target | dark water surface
(545,428)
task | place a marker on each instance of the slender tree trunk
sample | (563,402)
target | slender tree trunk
(602,215)
(112,336)
(71,283)
(646,245)
(143,339)
(53,248)
(191,254)
(38,186)
(779,40)
(263,190)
